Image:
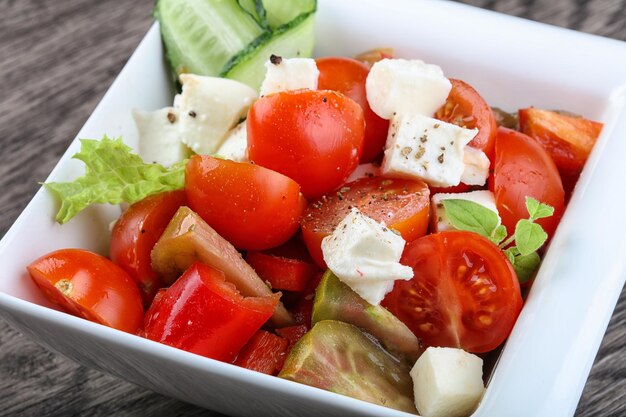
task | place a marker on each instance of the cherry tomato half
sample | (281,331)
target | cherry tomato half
(90,286)
(250,206)
(523,168)
(347,76)
(313,137)
(402,204)
(134,236)
(464,293)
(466,108)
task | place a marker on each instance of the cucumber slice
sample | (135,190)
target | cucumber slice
(294,39)
(256,10)
(280,12)
(201,36)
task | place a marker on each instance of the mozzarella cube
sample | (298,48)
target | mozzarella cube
(406,86)
(441,220)
(365,255)
(159,140)
(368,170)
(209,108)
(420,147)
(289,74)
(235,147)
(476,169)
(447,382)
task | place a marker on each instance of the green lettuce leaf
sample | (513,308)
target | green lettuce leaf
(113,174)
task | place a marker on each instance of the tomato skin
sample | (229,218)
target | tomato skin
(250,206)
(466,108)
(568,140)
(203,314)
(464,292)
(265,353)
(281,272)
(522,168)
(90,286)
(347,76)
(402,204)
(313,137)
(134,236)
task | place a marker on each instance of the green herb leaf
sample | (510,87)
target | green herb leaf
(529,237)
(538,210)
(526,265)
(470,216)
(511,253)
(499,234)
(113,174)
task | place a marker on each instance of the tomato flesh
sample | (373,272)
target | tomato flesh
(203,314)
(313,137)
(282,273)
(347,76)
(402,204)
(466,108)
(464,292)
(90,286)
(264,353)
(250,206)
(522,168)
(134,236)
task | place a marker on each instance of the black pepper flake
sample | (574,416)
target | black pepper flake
(275,59)
(171,117)
(192,113)
(324,99)
(424,138)
(443,148)
(143,231)
(440,159)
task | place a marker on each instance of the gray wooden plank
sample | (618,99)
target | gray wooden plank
(56,61)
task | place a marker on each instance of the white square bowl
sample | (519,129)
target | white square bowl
(513,63)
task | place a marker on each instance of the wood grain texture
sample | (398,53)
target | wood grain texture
(56,61)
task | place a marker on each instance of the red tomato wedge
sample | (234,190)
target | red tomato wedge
(282,273)
(90,286)
(313,137)
(347,76)
(264,353)
(523,168)
(203,314)
(402,204)
(250,206)
(464,293)
(466,108)
(135,234)
(292,334)
(568,140)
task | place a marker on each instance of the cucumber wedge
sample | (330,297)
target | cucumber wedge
(280,12)
(295,39)
(201,36)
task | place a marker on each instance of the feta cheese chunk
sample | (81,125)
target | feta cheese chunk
(447,382)
(209,108)
(420,147)
(159,140)
(289,74)
(365,255)
(406,86)
(476,169)
(235,147)
(440,219)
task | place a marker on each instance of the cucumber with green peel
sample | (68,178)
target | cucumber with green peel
(295,39)
(201,36)
(256,10)
(281,12)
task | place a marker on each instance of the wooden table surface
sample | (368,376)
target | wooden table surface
(57,58)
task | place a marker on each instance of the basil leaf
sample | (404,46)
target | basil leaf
(525,266)
(538,210)
(499,234)
(470,216)
(529,237)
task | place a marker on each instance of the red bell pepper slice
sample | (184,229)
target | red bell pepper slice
(282,273)
(292,334)
(264,353)
(203,314)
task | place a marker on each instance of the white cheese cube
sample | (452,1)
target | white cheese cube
(406,86)
(159,139)
(420,147)
(209,108)
(365,255)
(440,219)
(368,170)
(476,167)
(447,382)
(289,74)
(235,147)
